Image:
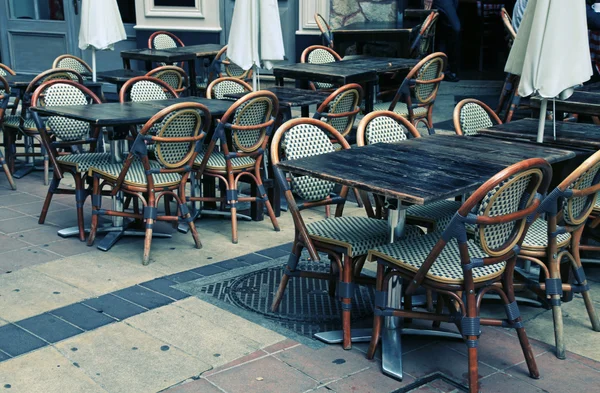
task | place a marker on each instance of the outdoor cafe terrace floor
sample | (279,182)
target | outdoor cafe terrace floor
(75,319)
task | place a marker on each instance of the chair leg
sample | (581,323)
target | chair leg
(291,267)
(186,216)
(80,195)
(94,225)
(554,269)
(46,165)
(149,224)
(265,198)
(327,211)
(513,106)
(358,198)
(582,281)
(53,186)
(377,319)
(9,177)
(347,302)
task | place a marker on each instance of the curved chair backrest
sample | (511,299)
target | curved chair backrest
(65,93)
(508,27)
(164,40)
(499,209)
(472,115)
(428,74)
(232,70)
(577,193)
(146,88)
(325,30)
(6,70)
(222,86)
(250,120)
(305,137)
(73,63)
(4,89)
(319,54)
(174,76)
(424,41)
(341,107)
(384,127)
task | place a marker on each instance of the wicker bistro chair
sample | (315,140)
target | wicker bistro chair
(60,133)
(250,121)
(164,40)
(22,125)
(4,98)
(183,127)
(462,271)
(73,63)
(174,76)
(325,30)
(416,96)
(222,63)
(218,88)
(344,239)
(472,115)
(423,44)
(146,88)
(567,209)
(318,54)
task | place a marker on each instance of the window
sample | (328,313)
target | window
(175,3)
(127,10)
(37,9)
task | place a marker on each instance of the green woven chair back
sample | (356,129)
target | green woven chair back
(345,102)
(473,117)
(185,123)
(63,128)
(384,129)
(429,71)
(577,209)
(221,88)
(73,63)
(254,112)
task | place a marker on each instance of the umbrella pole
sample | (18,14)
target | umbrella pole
(93,64)
(542,120)
(254,78)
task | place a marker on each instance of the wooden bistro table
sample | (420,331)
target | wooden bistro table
(574,135)
(188,54)
(415,171)
(118,77)
(584,101)
(363,70)
(398,33)
(116,114)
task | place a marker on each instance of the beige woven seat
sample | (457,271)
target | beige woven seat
(83,162)
(536,238)
(136,175)
(217,161)
(436,216)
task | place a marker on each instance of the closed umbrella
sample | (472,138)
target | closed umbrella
(551,52)
(255,35)
(101,27)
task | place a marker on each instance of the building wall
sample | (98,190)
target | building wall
(344,12)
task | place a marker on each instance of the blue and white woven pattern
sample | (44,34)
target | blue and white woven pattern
(64,128)
(163,41)
(13,121)
(83,162)
(307,140)
(437,214)
(321,56)
(343,103)
(147,91)
(574,212)
(472,118)
(447,268)
(217,161)
(254,112)
(136,175)
(184,123)
(384,129)
(429,71)
(536,238)
(72,64)
(221,88)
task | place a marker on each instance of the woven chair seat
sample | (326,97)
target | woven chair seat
(83,162)
(597,204)
(536,238)
(357,234)
(136,175)
(13,121)
(217,161)
(437,214)
(401,108)
(411,253)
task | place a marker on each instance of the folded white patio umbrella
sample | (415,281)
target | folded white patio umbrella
(101,27)
(551,52)
(255,35)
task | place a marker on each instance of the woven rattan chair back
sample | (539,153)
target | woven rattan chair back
(232,70)
(146,88)
(6,70)
(218,88)
(73,63)
(249,119)
(325,29)
(427,76)
(174,76)
(384,127)
(423,44)
(472,115)
(319,54)
(341,107)
(164,40)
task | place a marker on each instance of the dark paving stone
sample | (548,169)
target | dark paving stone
(163,285)
(209,270)
(252,258)
(275,252)
(231,264)
(114,306)
(371,380)
(143,297)
(16,341)
(49,327)
(182,277)
(82,316)
(4,356)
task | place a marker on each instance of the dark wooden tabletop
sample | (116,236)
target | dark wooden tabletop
(118,76)
(22,81)
(291,97)
(114,113)
(422,170)
(377,64)
(585,100)
(576,135)
(329,72)
(380,27)
(202,50)
(164,55)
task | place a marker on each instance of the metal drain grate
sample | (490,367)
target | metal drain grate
(306,307)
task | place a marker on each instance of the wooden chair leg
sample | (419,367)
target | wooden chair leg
(94,224)
(554,269)
(347,303)
(358,198)
(327,211)
(377,319)
(293,260)
(9,177)
(46,166)
(53,186)
(589,304)
(234,234)
(149,224)
(513,106)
